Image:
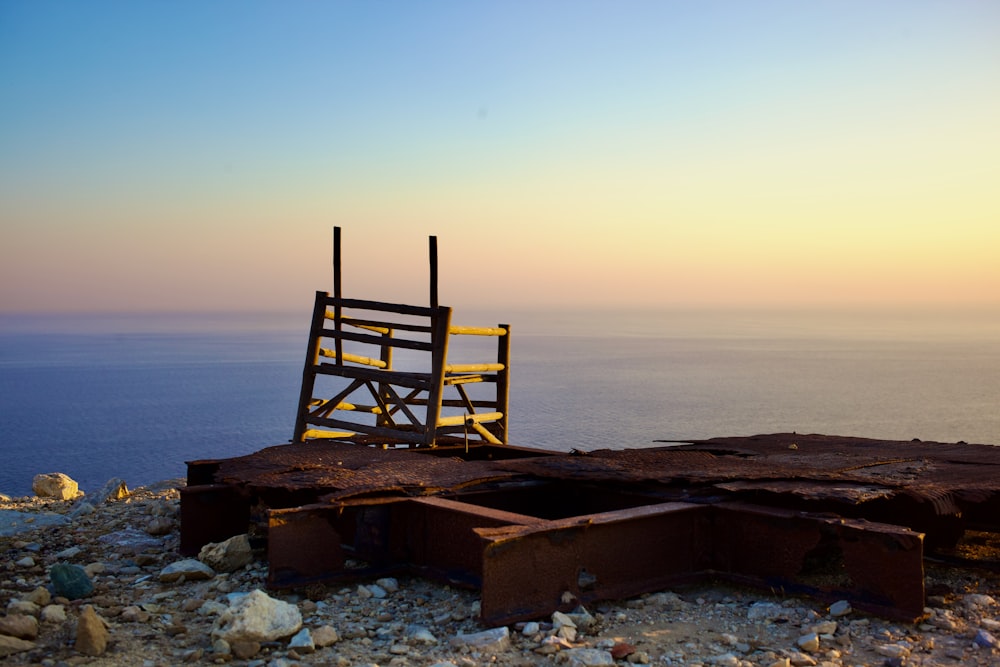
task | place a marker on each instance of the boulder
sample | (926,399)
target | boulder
(70,581)
(227,556)
(55,485)
(91,633)
(257,617)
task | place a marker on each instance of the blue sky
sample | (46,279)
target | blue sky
(655,153)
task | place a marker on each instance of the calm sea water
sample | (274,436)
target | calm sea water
(100,397)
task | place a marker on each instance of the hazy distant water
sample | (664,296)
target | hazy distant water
(136,398)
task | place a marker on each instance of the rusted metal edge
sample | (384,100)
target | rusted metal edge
(527,567)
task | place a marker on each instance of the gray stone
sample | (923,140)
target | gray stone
(388,584)
(189,568)
(984,639)
(130,540)
(840,608)
(588,657)
(493,640)
(13,522)
(765,611)
(227,556)
(70,581)
(71,552)
(82,508)
(419,633)
(302,641)
(55,485)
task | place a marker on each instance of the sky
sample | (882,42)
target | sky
(196,156)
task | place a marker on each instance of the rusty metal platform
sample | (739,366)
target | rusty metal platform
(827,516)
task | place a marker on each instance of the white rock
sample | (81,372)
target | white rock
(493,640)
(227,556)
(55,485)
(377,591)
(588,657)
(560,619)
(302,641)
(189,568)
(27,561)
(725,660)
(54,613)
(389,584)
(71,552)
(825,628)
(531,628)
(894,651)
(258,617)
(419,633)
(808,642)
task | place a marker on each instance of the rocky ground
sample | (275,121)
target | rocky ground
(148,608)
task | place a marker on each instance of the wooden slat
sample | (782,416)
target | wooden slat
(459,420)
(502,379)
(395,434)
(487,436)
(316,434)
(400,378)
(382,306)
(424,346)
(473,368)
(354,358)
(477,331)
(378,326)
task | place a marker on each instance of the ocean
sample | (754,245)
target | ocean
(136,397)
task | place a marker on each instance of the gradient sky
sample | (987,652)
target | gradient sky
(196,155)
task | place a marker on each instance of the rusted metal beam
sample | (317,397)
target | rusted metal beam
(528,569)
(878,567)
